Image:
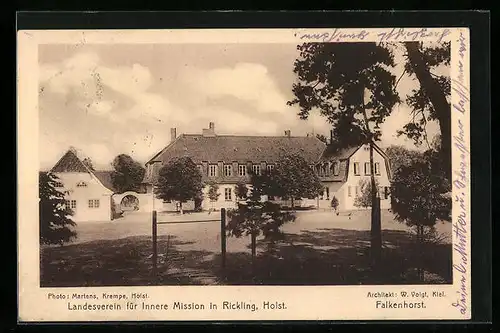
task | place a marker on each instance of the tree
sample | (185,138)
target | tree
(292,178)
(198,201)
(322,138)
(399,156)
(430,101)
(128,173)
(255,216)
(54,214)
(88,162)
(335,203)
(213,192)
(364,198)
(419,195)
(350,84)
(179,180)
(241,190)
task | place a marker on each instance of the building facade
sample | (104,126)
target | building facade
(85,190)
(225,160)
(343,174)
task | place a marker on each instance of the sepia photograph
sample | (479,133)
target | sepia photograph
(299,163)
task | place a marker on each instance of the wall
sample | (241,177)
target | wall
(93,191)
(221,201)
(362,156)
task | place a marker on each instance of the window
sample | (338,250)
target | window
(356,190)
(356,168)
(322,169)
(377,168)
(227,194)
(71,204)
(367,168)
(386,192)
(81,184)
(228,170)
(271,198)
(270,167)
(242,170)
(327,193)
(167,201)
(256,169)
(58,184)
(349,194)
(335,167)
(213,170)
(94,203)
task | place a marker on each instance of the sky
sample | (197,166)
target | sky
(124,98)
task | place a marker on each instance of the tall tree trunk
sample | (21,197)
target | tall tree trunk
(437,98)
(420,239)
(291,203)
(376,228)
(254,250)
(376,231)
(180,207)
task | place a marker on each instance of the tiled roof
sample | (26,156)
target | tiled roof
(70,162)
(239,149)
(230,148)
(105,178)
(343,154)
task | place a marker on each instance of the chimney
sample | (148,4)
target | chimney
(173,134)
(210,131)
(287,133)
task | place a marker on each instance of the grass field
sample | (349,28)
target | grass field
(319,248)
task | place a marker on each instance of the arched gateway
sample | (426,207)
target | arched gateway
(127,201)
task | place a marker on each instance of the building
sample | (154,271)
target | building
(88,192)
(343,172)
(227,159)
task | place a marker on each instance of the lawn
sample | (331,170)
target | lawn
(319,248)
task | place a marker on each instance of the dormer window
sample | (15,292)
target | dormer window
(335,168)
(256,169)
(81,184)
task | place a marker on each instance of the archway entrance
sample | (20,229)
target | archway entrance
(129,203)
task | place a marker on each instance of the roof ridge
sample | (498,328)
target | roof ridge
(253,136)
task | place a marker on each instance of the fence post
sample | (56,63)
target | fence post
(223,236)
(155,250)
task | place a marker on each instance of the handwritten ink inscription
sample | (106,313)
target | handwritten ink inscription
(461,179)
(391,35)
(336,35)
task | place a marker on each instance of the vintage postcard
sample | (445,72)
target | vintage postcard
(244,174)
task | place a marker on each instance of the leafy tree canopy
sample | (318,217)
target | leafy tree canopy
(179,180)
(292,178)
(54,215)
(88,162)
(128,173)
(420,191)
(350,85)
(241,190)
(364,197)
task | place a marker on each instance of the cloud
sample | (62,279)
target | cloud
(249,82)
(99,153)
(85,75)
(231,122)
